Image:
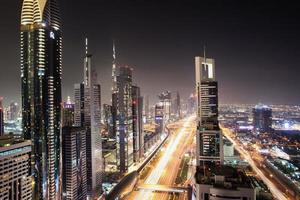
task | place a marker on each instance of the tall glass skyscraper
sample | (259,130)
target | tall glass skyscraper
(209,137)
(122,105)
(41,68)
(92,123)
(262,119)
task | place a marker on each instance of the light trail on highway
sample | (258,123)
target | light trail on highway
(274,190)
(158,171)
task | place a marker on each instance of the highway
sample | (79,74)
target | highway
(276,192)
(164,171)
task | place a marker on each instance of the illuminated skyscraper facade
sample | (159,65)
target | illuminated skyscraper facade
(74,163)
(15,175)
(209,147)
(159,118)
(137,123)
(122,111)
(79,104)
(209,136)
(166,99)
(92,123)
(68,113)
(262,119)
(41,68)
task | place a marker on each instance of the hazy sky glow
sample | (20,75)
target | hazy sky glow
(255,44)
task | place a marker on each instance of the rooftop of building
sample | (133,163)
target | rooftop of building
(8,140)
(223,176)
(261,106)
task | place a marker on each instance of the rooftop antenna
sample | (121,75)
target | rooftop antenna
(204,52)
(114,52)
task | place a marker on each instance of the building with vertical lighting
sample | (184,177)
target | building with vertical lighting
(1,117)
(209,136)
(13,111)
(122,111)
(176,105)
(209,147)
(159,118)
(68,113)
(41,70)
(262,119)
(79,104)
(166,99)
(74,163)
(92,123)
(108,120)
(15,169)
(137,123)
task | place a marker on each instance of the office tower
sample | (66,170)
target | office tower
(137,123)
(74,163)
(122,110)
(92,121)
(15,175)
(1,117)
(108,120)
(41,60)
(68,113)
(13,111)
(209,136)
(209,147)
(262,119)
(176,107)
(192,104)
(159,117)
(166,99)
(79,105)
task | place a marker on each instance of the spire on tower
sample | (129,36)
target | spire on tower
(86,45)
(114,52)
(204,52)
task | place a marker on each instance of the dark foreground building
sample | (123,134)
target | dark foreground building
(74,163)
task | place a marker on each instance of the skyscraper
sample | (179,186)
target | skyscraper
(262,118)
(114,70)
(176,106)
(108,120)
(74,163)
(13,111)
(166,99)
(41,68)
(209,136)
(68,113)
(137,123)
(15,175)
(92,121)
(159,117)
(1,117)
(122,111)
(79,104)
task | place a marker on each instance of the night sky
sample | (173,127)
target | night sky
(255,45)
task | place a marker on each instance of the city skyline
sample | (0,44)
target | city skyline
(152,125)
(251,42)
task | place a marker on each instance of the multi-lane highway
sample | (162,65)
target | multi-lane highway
(274,188)
(165,170)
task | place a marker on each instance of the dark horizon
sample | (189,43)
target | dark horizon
(255,45)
